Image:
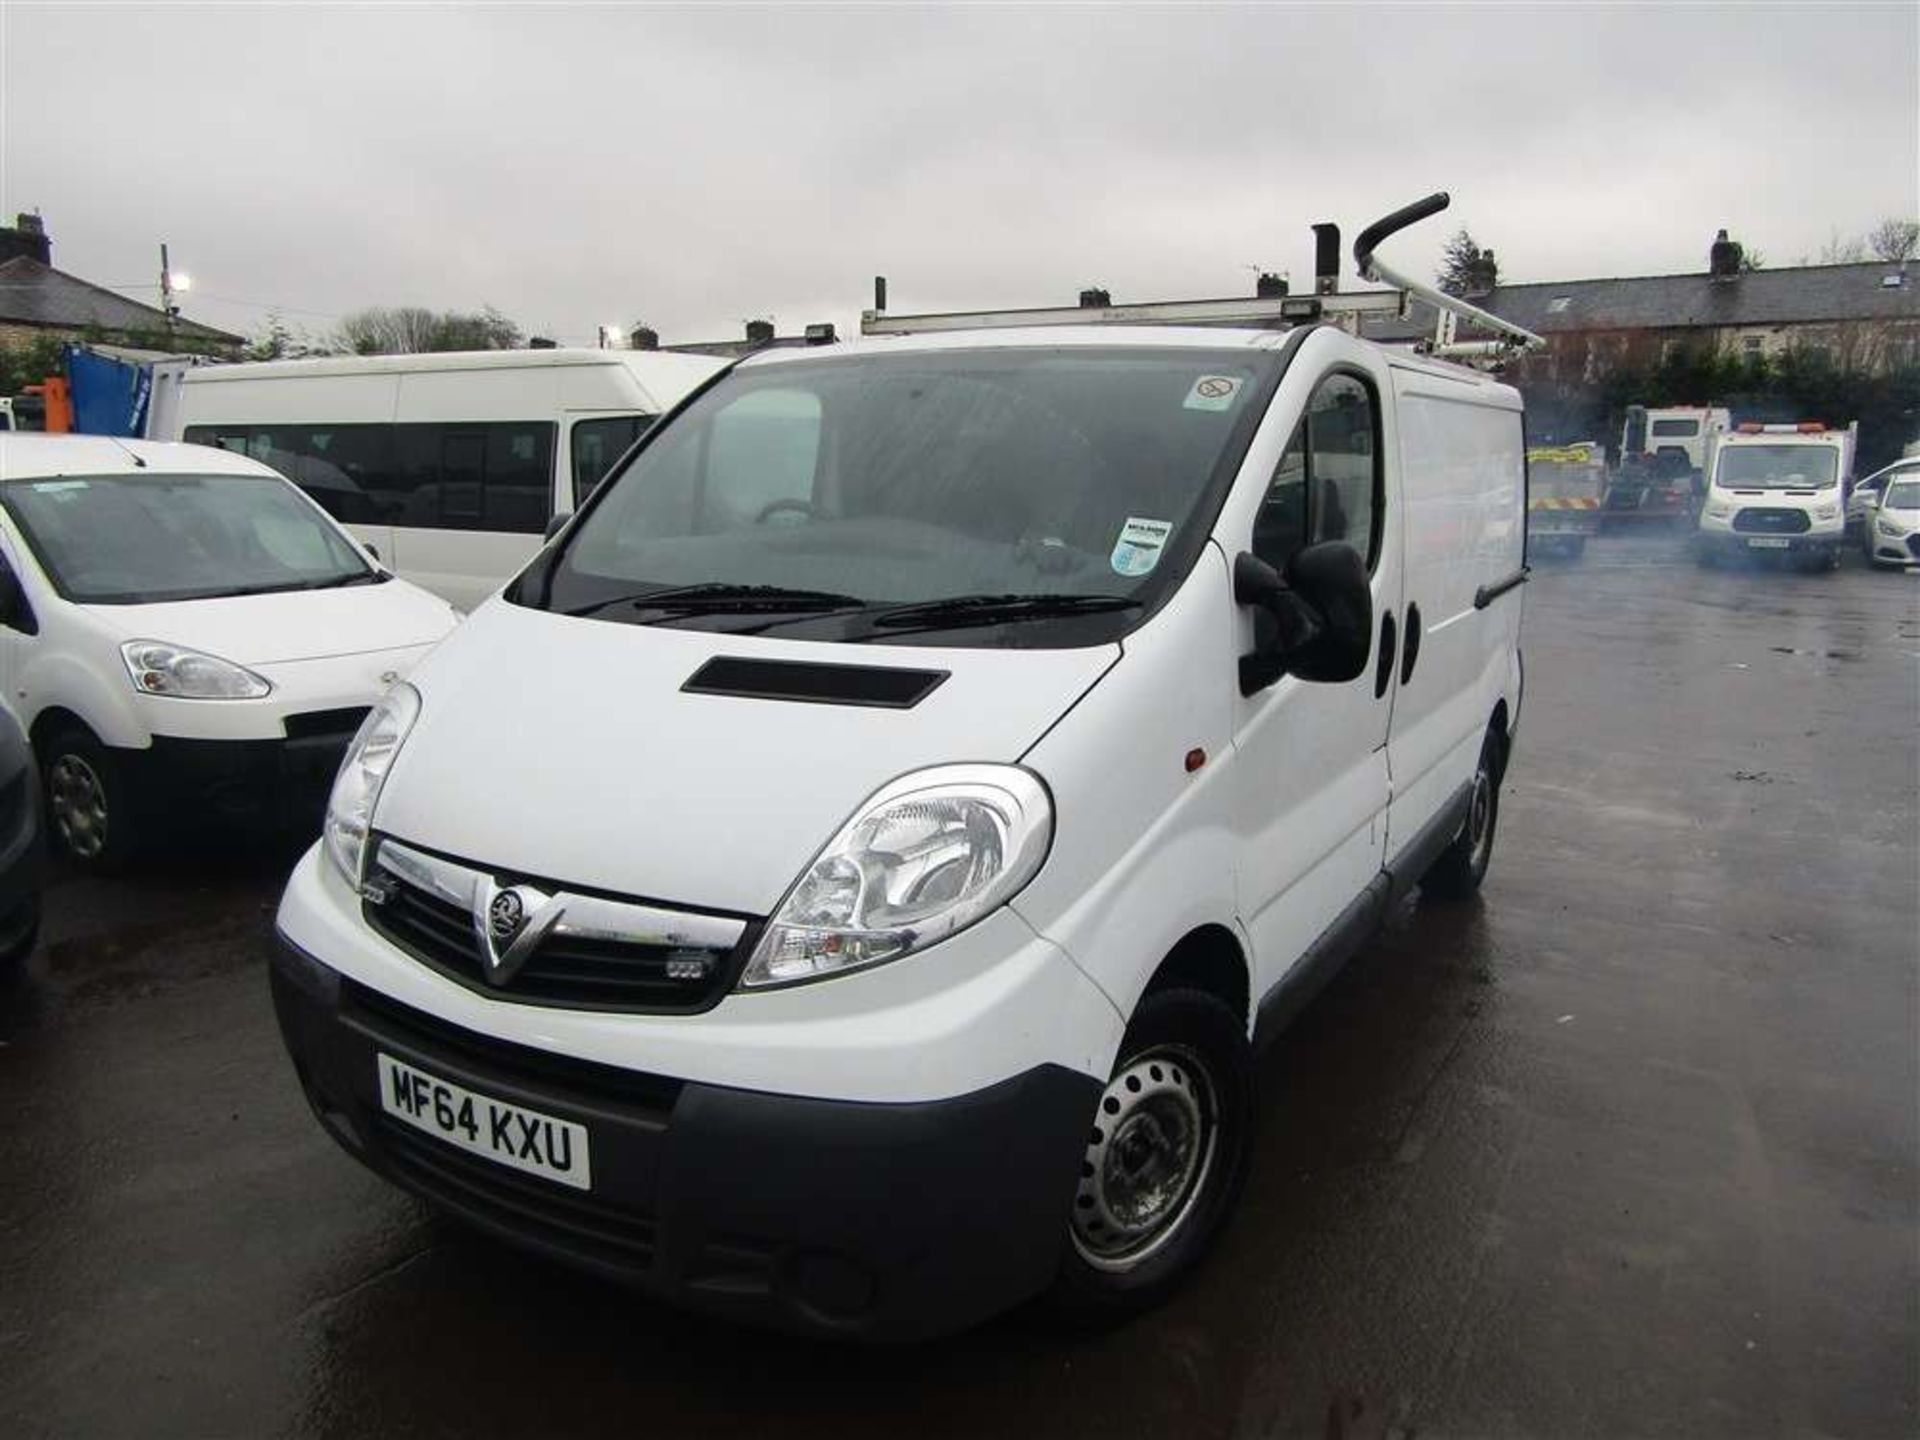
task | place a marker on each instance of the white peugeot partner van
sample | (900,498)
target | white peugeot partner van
(840,883)
(187,638)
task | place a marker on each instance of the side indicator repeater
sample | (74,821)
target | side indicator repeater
(1196,757)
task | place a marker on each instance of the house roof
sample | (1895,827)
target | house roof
(1803,294)
(35,294)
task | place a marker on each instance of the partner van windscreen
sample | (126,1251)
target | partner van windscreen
(142,539)
(1056,492)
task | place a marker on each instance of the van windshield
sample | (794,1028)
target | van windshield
(139,539)
(1777,467)
(1038,487)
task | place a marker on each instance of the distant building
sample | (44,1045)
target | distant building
(1865,317)
(38,301)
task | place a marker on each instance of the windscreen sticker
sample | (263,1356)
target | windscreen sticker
(53,487)
(1212,392)
(1140,545)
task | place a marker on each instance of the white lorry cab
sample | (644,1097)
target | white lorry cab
(1777,489)
(451,466)
(841,881)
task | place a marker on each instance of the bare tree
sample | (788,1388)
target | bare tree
(412,330)
(1894,239)
(1837,251)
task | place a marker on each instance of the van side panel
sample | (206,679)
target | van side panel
(1462,458)
(1144,849)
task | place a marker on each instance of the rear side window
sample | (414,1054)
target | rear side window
(1676,429)
(491,476)
(1327,485)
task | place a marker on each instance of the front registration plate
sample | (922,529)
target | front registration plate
(1768,542)
(492,1129)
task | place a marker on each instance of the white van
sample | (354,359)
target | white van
(1777,489)
(450,466)
(187,638)
(841,881)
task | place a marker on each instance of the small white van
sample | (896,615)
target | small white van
(450,466)
(841,881)
(187,638)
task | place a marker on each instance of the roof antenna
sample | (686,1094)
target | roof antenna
(138,462)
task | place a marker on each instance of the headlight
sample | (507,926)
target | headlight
(1827,512)
(1719,510)
(927,856)
(1889,528)
(158,668)
(356,789)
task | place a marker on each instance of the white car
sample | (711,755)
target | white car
(840,882)
(1866,493)
(1891,533)
(186,637)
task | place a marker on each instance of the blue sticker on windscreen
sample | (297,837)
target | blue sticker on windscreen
(1140,545)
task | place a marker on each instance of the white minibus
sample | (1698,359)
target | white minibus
(450,466)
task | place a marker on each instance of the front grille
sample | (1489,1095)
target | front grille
(1913,546)
(570,970)
(521,1204)
(1762,520)
(338,723)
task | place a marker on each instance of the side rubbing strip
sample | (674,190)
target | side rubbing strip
(813,684)
(1487,594)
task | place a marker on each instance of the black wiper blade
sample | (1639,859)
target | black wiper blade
(721,596)
(993,609)
(359,577)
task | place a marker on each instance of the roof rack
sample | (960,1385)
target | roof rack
(1273,311)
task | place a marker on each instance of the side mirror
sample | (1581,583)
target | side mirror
(373,550)
(555,524)
(1316,623)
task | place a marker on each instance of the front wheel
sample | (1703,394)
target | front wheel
(90,811)
(1166,1157)
(1457,874)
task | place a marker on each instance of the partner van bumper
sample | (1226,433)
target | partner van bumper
(872,1221)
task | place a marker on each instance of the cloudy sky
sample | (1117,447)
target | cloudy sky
(692,166)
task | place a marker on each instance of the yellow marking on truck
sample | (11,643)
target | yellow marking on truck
(1571,502)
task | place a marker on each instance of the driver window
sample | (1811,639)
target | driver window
(1327,484)
(761,459)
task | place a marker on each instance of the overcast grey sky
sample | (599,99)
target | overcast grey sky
(692,166)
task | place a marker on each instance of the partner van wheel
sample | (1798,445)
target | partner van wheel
(89,802)
(1457,874)
(1166,1157)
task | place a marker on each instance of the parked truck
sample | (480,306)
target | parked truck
(1665,455)
(1566,487)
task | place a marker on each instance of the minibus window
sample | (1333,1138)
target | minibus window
(597,444)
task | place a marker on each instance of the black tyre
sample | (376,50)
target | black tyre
(1457,874)
(1166,1158)
(91,816)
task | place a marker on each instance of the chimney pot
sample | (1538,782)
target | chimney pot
(1723,259)
(28,238)
(645,337)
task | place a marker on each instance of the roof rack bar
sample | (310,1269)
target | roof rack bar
(1278,312)
(1371,268)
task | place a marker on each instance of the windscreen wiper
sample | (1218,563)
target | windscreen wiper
(723,598)
(359,577)
(994,609)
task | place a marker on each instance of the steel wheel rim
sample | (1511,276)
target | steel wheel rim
(1480,817)
(1150,1152)
(78,802)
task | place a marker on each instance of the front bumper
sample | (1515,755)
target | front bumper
(1893,550)
(280,784)
(1736,542)
(872,1221)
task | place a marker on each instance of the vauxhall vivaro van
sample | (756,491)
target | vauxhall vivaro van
(841,881)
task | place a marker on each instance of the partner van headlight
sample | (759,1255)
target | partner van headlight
(356,789)
(158,668)
(1888,528)
(928,855)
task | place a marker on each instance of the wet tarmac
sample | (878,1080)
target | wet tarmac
(1626,1148)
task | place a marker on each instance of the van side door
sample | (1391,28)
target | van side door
(1463,471)
(1312,787)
